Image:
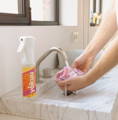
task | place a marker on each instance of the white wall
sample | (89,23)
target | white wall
(46,37)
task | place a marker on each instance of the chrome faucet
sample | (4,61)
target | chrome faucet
(53,49)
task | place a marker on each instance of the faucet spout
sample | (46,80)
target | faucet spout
(53,49)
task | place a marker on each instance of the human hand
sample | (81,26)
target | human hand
(83,62)
(75,83)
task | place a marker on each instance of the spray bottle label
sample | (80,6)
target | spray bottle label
(29,81)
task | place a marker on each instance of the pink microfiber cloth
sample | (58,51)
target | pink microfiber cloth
(68,72)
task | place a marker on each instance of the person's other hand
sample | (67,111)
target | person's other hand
(83,62)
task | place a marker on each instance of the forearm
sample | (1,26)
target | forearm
(107,61)
(104,33)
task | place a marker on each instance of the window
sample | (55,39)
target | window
(44,12)
(95,12)
(29,12)
(14,12)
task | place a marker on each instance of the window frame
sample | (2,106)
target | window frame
(23,18)
(48,23)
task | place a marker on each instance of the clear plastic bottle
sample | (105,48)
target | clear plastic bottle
(26,50)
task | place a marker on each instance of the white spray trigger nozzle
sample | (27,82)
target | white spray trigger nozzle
(21,45)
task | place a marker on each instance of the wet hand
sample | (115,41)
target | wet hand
(75,83)
(83,63)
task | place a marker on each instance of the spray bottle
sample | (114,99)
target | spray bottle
(26,50)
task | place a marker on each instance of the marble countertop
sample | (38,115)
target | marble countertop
(10,117)
(96,102)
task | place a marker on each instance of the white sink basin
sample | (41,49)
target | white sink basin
(96,102)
